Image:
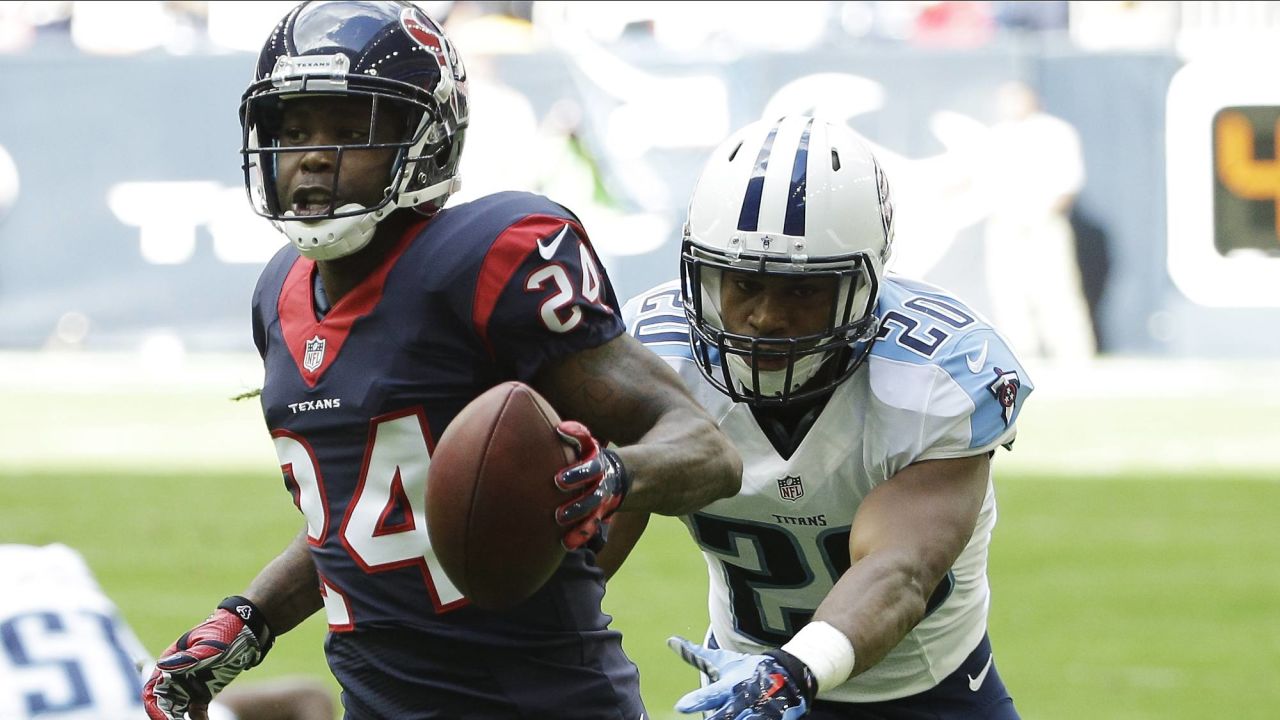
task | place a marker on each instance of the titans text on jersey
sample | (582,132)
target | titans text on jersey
(939,383)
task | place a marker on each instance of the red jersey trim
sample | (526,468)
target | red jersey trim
(315,344)
(504,258)
(326,589)
(398,502)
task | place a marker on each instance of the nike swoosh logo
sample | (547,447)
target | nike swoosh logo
(975,365)
(548,250)
(976,682)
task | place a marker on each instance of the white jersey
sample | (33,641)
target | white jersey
(938,383)
(65,652)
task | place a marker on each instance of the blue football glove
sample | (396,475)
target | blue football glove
(599,482)
(773,686)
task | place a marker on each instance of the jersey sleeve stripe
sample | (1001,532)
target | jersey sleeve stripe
(504,258)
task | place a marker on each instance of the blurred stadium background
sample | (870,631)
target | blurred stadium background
(1136,566)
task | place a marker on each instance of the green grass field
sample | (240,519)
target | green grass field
(1151,591)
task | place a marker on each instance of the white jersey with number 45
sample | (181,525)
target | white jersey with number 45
(939,383)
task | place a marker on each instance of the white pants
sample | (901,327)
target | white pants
(1033,280)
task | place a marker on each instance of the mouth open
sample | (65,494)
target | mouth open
(312,201)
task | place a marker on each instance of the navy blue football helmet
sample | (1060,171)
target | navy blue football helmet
(387,54)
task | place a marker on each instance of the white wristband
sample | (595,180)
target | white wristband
(826,651)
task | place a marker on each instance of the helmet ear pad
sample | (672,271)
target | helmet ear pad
(388,53)
(793,197)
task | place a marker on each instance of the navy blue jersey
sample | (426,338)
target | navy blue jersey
(484,292)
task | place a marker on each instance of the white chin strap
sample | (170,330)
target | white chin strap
(773,382)
(333,238)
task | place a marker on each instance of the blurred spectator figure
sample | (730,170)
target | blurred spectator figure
(953,24)
(487,28)
(24,25)
(1031,174)
(1031,15)
(569,170)
(104,28)
(502,139)
(107,28)
(240,26)
(17,32)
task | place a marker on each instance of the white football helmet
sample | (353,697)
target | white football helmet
(787,197)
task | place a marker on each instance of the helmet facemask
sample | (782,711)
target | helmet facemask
(393,65)
(407,132)
(813,364)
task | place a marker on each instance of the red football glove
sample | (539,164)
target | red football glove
(207,657)
(598,480)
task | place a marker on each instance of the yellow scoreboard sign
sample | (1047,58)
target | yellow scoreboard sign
(1246,179)
(1223,183)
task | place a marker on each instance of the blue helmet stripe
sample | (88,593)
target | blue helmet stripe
(749,217)
(793,224)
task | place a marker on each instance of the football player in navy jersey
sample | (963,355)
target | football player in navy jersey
(386,314)
(848,577)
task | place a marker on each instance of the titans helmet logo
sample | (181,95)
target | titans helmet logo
(1005,389)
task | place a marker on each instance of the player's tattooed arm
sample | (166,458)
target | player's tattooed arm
(287,590)
(676,457)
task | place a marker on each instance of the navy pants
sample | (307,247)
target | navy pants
(393,675)
(973,692)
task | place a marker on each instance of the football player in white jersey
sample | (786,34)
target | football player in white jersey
(848,577)
(66,654)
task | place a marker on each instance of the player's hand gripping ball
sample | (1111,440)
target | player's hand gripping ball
(598,480)
(495,500)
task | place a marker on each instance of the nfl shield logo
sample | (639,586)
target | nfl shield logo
(314,355)
(790,488)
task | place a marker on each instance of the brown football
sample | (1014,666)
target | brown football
(491,496)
